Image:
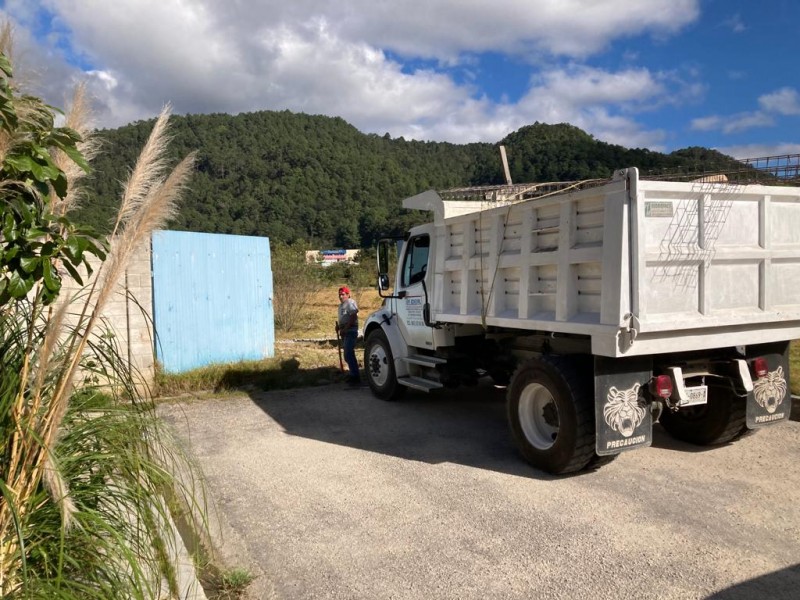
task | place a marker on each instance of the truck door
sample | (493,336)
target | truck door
(413,292)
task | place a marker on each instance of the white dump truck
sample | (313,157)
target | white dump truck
(603,306)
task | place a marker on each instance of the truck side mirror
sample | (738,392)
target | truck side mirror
(383,257)
(384,250)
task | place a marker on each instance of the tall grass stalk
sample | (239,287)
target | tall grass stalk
(87,471)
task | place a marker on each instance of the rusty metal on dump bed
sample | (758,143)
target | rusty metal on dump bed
(766,170)
(518,192)
(781,170)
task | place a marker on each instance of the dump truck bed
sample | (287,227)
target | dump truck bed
(639,266)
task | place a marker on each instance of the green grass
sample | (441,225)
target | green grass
(295,365)
(231,585)
(794,367)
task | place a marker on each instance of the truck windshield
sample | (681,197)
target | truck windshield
(415,264)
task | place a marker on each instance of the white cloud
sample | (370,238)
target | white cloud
(335,58)
(441,29)
(584,85)
(758,150)
(581,95)
(735,23)
(575,28)
(112,98)
(707,123)
(620,130)
(733,123)
(744,121)
(784,101)
(357,83)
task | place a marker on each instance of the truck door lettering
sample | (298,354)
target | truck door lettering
(414,312)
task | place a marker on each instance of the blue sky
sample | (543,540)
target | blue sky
(661,74)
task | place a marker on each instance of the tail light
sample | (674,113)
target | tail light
(760,367)
(661,386)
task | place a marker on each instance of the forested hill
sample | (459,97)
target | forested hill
(297,177)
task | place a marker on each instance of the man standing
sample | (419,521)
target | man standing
(347,326)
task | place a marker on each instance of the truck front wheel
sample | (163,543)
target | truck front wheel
(550,412)
(720,420)
(379,367)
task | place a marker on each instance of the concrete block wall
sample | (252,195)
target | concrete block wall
(138,337)
(128,312)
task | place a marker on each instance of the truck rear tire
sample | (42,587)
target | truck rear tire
(551,414)
(720,420)
(379,367)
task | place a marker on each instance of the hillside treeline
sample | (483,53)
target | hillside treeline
(317,180)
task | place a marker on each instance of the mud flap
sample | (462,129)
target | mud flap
(623,420)
(771,400)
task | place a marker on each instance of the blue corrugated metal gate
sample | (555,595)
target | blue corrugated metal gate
(212,299)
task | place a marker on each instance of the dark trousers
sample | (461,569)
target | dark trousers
(349,347)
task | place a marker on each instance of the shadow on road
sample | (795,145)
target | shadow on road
(661,439)
(463,426)
(664,441)
(778,585)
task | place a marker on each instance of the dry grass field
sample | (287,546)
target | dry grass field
(313,343)
(320,314)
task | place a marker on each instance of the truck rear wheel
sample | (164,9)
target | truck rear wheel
(550,412)
(379,367)
(720,420)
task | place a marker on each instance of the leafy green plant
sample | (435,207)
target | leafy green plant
(34,236)
(86,478)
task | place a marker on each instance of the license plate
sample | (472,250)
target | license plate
(696,395)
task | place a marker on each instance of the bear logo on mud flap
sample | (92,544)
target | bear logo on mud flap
(622,411)
(770,390)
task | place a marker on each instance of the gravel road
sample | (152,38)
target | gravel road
(330,493)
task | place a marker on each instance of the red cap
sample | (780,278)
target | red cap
(344,289)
